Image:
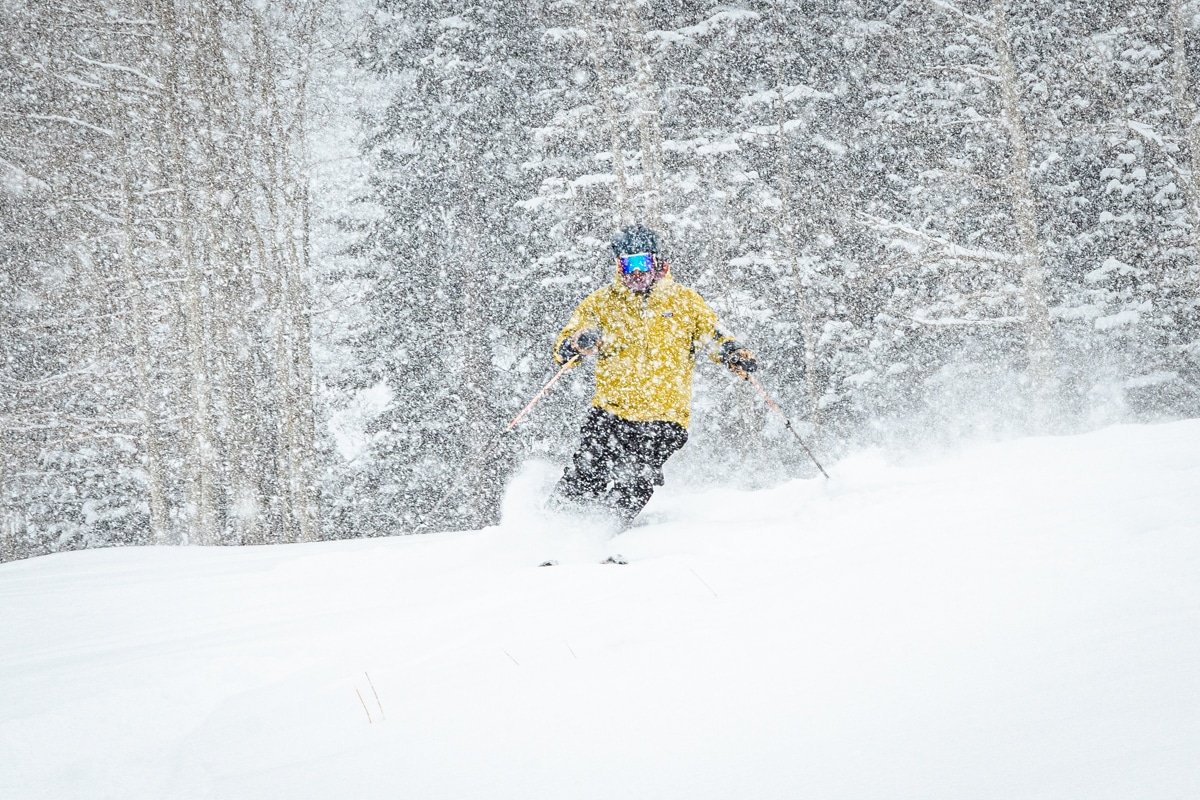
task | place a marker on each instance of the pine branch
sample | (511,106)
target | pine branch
(969,69)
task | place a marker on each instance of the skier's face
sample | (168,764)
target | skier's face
(639,280)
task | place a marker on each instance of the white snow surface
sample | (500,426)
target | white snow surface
(1011,620)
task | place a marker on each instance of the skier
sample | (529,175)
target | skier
(646,331)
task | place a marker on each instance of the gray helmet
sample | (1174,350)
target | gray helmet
(634,239)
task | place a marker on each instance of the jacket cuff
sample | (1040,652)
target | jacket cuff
(565,351)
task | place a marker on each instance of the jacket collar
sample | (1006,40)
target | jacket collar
(660,287)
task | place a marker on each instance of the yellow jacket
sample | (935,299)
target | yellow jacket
(649,347)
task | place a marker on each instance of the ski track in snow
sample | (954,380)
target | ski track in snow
(1015,620)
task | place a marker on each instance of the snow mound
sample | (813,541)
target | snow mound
(1014,620)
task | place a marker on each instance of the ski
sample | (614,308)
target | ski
(615,558)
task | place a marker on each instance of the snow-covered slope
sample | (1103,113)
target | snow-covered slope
(1019,620)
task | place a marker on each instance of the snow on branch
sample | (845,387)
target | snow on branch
(940,243)
(773,130)
(59,118)
(921,319)
(789,93)
(973,178)
(707,27)
(968,69)
(1145,131)
(700,146)
(22,175)
(120,68)
(1151,379)
(80,427)
(90,371)
(978,22)
(966,121)
(65,433)
(1168,147)
(564,34)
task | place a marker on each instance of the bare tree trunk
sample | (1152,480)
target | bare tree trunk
(648,121)
(301,446)
(279,265)
(141,351)
(789,233)
(1037,310)
(618,154)
(304,445)
(599,55)
(227,264)
(1188,113)
(274,264)
(151,446)
(286,240)
(8,537)
(305,397)
(8,518)
(202,511)
(480,423)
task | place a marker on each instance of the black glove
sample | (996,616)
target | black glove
(582,343)
(587,340)
(739,360)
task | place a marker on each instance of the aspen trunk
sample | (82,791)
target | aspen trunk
(649,123)
(618,155)
(152,456)
(599,55)
(274,263)
(789,233)
(8,536)
(8,519)
(480,423)
(1188,115)
(1037,310)
(304,445)
(230,292)
(202,511)
(151,451)
(286,239)
(300,396)
(808,319)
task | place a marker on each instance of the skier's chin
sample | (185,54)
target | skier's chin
(638,282)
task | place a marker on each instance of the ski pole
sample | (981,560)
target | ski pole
(537,397)
(787,423)
(465,473)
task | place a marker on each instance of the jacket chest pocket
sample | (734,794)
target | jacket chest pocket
(669,328)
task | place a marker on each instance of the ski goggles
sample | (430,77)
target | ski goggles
(639,262)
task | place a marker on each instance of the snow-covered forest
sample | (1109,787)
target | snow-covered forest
(279,271)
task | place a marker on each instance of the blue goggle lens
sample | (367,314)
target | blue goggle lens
(642,262)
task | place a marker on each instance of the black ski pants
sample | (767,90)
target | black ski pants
(618,463)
